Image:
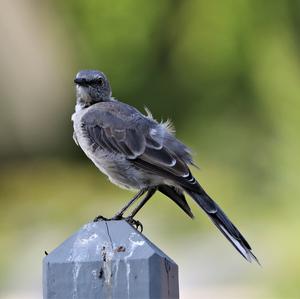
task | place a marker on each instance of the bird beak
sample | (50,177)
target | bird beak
(79,81)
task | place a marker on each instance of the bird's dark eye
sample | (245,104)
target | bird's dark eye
(100,81)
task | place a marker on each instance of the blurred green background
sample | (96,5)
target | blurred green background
(226,72)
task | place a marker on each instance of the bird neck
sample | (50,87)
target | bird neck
(80,104)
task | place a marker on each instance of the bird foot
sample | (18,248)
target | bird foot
(100,218)
(135,223)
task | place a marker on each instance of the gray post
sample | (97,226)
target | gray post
(109,259)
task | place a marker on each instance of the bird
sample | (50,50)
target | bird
(138,153)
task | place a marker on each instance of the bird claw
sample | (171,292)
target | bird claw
(135,223)
(100,218)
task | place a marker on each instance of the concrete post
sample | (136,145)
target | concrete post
(109,259)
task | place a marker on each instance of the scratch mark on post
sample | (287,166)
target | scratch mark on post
(107,256)
(109,236)
(107,253)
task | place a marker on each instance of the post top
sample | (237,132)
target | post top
(114,240)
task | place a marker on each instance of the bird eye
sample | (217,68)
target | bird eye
(100,81)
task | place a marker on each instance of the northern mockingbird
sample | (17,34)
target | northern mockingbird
(136,152)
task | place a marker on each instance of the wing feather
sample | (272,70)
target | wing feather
(146,143)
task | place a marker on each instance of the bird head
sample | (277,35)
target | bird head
(92,87)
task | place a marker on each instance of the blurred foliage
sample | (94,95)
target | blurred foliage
(227,73)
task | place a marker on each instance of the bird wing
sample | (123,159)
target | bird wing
(121,129)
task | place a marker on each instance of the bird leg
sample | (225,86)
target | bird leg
(149,194)
(137,224)
(119,215)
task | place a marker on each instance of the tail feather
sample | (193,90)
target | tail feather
(223,223)
(177,197)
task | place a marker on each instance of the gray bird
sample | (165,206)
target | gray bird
(138,153)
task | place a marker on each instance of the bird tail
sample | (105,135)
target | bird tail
(223,223)
(178,197)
